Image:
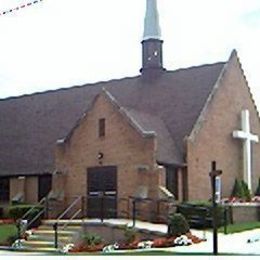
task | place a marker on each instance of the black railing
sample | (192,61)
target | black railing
(74,209)
(29,219)
(105,207)
(102,206)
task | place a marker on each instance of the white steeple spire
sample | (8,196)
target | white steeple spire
(152,28)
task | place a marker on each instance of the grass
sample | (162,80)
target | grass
(151,253)
(240,227)
(7,231)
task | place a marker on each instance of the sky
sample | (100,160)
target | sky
(62,43)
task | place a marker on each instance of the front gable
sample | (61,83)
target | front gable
(122,145)
(211,138)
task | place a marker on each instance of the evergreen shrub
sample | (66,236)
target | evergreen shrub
(240,190)
(177,225)
(17,211)
(246,191)
(130,234)
(91,239)
(257,192)
(199,214)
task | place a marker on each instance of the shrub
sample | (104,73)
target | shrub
(237,190)
(130,234)
(10,240)
(240,190)
(246,192)
(257,193)
(17,211)
(199,214)
(178,225)
(91,239)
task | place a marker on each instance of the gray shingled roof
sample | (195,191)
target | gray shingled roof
(169,105)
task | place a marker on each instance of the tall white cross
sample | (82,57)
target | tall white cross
(247,138)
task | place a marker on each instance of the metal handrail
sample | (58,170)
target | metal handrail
(32,208)
(73,216)
(35,218)
(69,208)
(56,224)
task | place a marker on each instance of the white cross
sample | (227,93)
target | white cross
(247,138)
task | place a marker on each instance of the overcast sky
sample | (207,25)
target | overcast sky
(61,43)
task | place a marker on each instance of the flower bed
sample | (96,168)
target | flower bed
(7,221)
(183,240)
(237,200)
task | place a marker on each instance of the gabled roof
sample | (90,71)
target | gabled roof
(169,104)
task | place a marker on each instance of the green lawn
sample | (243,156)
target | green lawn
(152,252)
(239,227)
(7,231)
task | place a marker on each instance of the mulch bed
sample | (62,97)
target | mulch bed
(157,243)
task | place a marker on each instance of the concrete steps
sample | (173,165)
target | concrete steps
(42,239)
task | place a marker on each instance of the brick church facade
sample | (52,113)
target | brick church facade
(150,136)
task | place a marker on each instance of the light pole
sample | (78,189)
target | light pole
(213,174)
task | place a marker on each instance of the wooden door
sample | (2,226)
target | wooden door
(102,192)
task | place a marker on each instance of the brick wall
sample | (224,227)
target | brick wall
(245,213)
(123,146)
(17,186)
(214,139)
(28,186)
(31,190)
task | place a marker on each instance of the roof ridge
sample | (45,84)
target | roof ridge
(100,82)
(198,66)
(67,88)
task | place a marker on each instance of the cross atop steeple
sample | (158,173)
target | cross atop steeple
(152,43)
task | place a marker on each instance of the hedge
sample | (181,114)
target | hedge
(18,211)
(199,214)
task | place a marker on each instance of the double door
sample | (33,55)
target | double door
(102,192)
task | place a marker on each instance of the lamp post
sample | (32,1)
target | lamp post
(213,174)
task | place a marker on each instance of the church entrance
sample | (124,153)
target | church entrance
(44,186)
(102,192)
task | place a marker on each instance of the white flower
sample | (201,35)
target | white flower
(67,248)
(110,248)
(145,244)
(182,241)
(28,232)
(18,243)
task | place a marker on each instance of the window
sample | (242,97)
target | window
(101,127)
(4,189)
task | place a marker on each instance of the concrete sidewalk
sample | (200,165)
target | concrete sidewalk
(227,244)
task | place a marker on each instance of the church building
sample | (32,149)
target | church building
(151,136)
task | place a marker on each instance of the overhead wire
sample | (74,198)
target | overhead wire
(20,7)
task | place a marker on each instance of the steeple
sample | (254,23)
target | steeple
(152,43)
